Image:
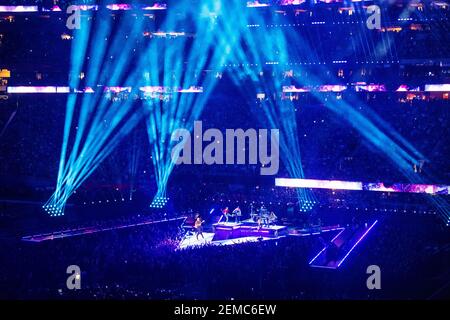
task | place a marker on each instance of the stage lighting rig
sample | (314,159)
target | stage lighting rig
(159,202)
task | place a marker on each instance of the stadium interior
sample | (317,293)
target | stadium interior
(90,98)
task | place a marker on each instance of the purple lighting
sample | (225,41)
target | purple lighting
(86,7)
(52,9)
(313,259)
(359,240)
(29,89)
(291,2)
(293,89)
(371,88)
(318,184)
(192,89)
(357,185)
(120,6)
(256,4)
(18,8)
(445,87)
(156,6)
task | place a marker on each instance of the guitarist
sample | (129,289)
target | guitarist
(225,213)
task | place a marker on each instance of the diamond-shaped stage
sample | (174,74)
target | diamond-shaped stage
(339,248)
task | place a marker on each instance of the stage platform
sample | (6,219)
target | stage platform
(93,229)
(332,256)
(248,228)
(229,233)
(339,248)
(313,230)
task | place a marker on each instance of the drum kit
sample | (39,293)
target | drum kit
(262,214)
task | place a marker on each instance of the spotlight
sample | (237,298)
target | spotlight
(159,202)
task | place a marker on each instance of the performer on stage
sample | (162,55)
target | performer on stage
(225,213)
(199,226)
(264,214)
(237,214)
(260,223)
(253,214)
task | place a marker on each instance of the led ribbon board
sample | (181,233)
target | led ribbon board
(356,185)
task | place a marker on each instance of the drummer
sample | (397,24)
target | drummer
(237,214)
